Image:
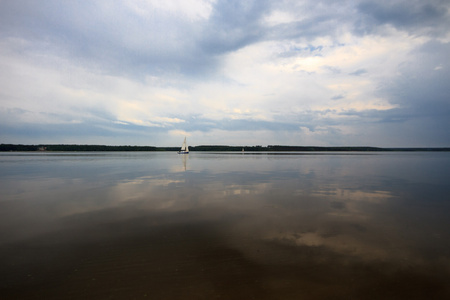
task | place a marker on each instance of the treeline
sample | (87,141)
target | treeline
(281,148)
(348,148)
(12,147)
(317,148)
(226,148)
(270,148)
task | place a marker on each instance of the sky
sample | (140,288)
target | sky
(323,73)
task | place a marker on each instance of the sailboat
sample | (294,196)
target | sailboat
(184,148)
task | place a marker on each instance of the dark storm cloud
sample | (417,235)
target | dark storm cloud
(424,80)
(394,115)
(359,72)
(104,36)
(422,91)
(233,25)
(415,17)
(78,133)
(337,97)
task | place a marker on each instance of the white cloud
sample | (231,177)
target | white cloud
(191,9)
(279,17)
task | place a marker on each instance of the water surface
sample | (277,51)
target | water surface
(124,225)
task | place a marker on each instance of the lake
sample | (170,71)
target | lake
(157,225)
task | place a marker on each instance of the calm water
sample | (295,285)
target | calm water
(128,225)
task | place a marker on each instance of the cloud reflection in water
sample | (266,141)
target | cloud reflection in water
(289,221)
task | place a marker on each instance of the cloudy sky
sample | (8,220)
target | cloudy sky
(231,72)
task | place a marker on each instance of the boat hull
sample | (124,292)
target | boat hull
(183,152)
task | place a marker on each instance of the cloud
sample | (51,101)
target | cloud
(411,16)
(130,38)
(359,72)
(149,69)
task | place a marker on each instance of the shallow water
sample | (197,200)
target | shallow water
(125,225)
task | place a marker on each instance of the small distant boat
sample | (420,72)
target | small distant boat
(184,148)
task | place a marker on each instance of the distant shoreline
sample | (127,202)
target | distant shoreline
(269,148)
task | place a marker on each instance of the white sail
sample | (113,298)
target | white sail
(184,148)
